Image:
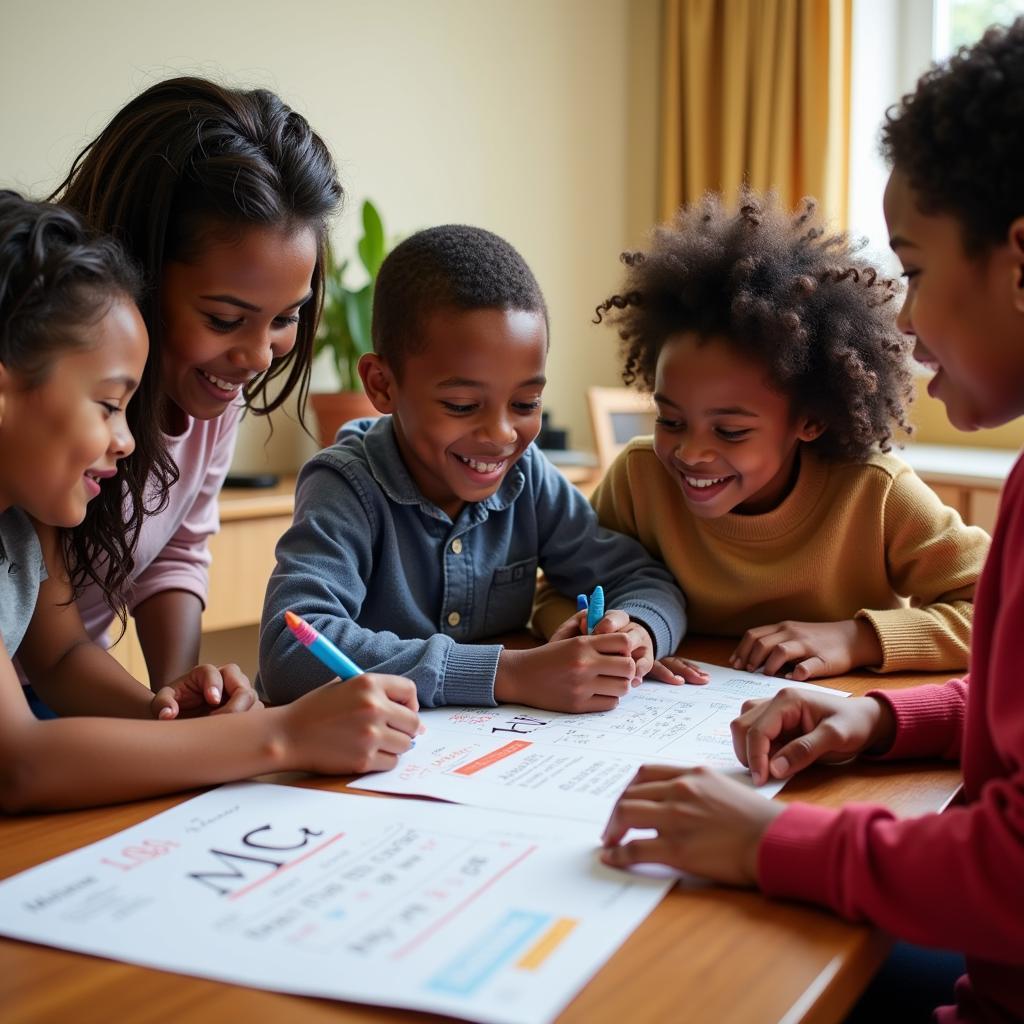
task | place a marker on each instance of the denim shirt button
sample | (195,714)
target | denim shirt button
(456,549)
(454,618)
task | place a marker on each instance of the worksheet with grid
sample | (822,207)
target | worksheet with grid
(575,766)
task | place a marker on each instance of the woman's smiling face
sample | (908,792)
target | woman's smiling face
(230,311)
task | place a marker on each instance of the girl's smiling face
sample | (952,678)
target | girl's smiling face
(61,438)
(967,314)
(727,437)
(230,311)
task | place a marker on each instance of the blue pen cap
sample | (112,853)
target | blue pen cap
(595,613)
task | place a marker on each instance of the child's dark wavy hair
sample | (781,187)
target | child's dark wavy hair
(56,278)
(786,293)
(183,160)
(959,137)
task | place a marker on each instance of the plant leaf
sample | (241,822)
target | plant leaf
(359,315)
(347,314)
(372,246)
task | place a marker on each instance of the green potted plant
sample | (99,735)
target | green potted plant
(345,328)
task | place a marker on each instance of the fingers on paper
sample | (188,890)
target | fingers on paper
(758,728)
(684,671)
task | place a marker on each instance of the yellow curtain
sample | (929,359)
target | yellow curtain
(756,92)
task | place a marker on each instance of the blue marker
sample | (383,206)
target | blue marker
(595,611)
(338,663)
(581,603)
(317,644)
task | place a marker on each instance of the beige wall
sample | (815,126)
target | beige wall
(534,118)
(932,426)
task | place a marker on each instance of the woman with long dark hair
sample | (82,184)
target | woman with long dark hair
(222,196)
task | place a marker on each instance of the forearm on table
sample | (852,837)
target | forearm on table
(908,876)
(83,762)
(444,672)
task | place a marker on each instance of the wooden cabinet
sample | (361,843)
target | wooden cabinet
(243,559)
(982,507)
(967,479)
(977,505)
(243,554)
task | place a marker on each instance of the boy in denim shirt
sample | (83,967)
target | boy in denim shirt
(418,535)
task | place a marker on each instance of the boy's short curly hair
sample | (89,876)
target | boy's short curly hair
(453,266)
(959,137)
(784,292)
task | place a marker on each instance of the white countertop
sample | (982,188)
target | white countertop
(570,457)
(958,464)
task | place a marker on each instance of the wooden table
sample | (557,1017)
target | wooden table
(705,955)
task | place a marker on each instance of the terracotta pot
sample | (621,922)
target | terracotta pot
(334,408)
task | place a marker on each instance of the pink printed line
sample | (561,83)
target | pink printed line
(442,921)
(285,867)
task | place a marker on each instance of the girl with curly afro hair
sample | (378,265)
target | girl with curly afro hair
(779,374)
(952,881)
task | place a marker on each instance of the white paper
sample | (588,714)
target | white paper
(575,766)
(481,915)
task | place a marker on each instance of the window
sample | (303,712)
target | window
(893,44)
(891,48)
(960,22)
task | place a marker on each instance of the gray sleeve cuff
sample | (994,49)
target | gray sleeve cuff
(666,638)
(469,674)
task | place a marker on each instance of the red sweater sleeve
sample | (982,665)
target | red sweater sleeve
(954,880)
(951,880)
(929,720)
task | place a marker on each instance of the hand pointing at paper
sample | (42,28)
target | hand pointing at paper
(706,824)
(778,737)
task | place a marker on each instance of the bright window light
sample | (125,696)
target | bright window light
(959,23)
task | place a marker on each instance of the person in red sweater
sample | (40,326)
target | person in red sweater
(954,205)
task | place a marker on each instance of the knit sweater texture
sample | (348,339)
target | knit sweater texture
(953,880)
(851,540)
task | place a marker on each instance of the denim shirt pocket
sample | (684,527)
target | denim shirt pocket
(510,599)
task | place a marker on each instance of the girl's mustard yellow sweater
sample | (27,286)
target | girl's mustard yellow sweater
(853,539)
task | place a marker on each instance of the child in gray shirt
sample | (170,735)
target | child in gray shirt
(417,537)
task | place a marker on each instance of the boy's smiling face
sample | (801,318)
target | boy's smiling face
(726,436)
(967,314)
(467,402)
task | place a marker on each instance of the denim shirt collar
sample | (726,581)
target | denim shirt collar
(389,470)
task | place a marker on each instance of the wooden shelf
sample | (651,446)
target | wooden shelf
(257,503)
(967,479)
(242,553)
